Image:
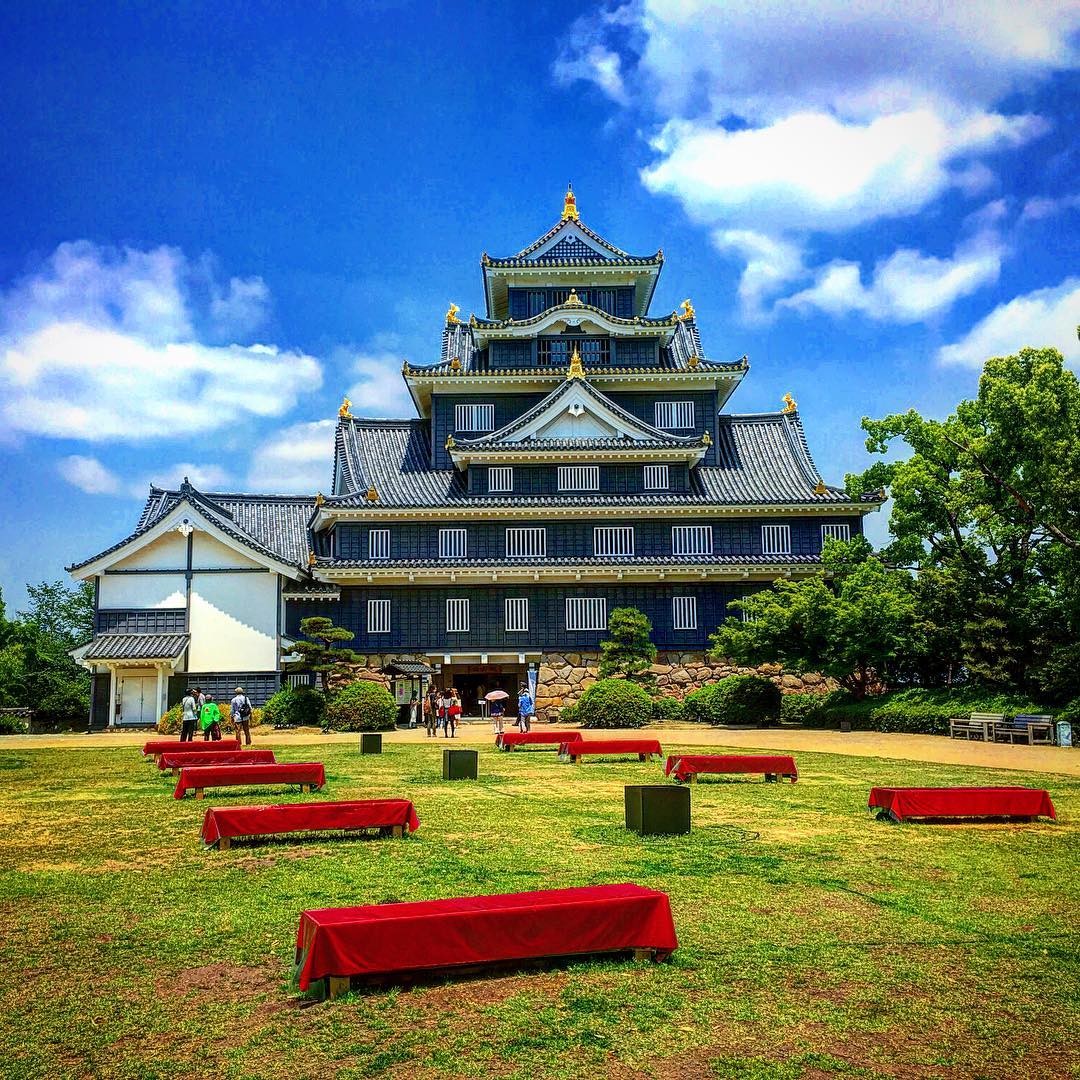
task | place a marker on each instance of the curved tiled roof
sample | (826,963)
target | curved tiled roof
(572,561)
(527,256)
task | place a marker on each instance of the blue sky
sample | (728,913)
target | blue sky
(216,221)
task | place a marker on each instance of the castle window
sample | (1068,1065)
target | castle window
(656,478)
(378,616)
(474,417)
(517,614)
(379,544)
(453,544)
(613,540)
(674,415)
(586,613)
(457,616)
(684,612)
(579,477)
(528,543)
(776,539)
(500,480)
(835,532)
(691,540)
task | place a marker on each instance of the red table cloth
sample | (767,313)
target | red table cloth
(683,766)
(957,802)
(510,739)
(225,757)
(610,746)
(230,821)
(205,776)
(175,746)
(382,938)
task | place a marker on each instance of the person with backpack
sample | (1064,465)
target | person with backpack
(525,708)
(189,715)
(210,719)
(241,714)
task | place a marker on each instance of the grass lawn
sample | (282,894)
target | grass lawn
(814,941)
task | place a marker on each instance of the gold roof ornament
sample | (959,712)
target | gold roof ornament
(449,442)
(573,300)
(820,488)
(320,498)
(790,404)
(311,558)
(451,315)
(343,412)
(693,362)
(575,371)
(570,210)
(687,310)
(455,363)
(706,439)
(372,495)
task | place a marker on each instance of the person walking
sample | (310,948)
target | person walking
(210,720)
(431,707)
(525,708)
(240,707)
(414,708)
(497,711)
(189,716)
(443,711)
(454,713)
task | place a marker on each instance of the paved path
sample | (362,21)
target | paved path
(929,748)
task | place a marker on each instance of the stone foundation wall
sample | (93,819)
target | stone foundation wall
(564,677)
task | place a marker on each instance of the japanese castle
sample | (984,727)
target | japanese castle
(571,454)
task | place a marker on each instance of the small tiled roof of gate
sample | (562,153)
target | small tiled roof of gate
(136,647)
(763,460)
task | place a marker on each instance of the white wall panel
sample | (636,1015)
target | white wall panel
(211,552)
(168,551)
(142,591)
(233,623)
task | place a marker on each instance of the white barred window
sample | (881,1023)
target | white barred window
(500,480)
(674,415)
(691,540)
(684,612)
(656,478)
(579,477)
(613,540)
(776,539)
(517,614)
(453,544)
(586,613)
(379,544)
(526,543)
(457,616)
(835,532)
(474,417)
(378,616)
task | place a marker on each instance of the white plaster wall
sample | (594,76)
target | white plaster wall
(141,591)
(168,551)
(208,551)
(233,622)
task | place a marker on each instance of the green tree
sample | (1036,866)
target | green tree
(629,651)
(321,652)
(855,620)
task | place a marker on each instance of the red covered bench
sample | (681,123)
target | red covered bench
(176,762)
(508,740)
(308,774)
(690,766)
(577,749)
(944,804)
(157,747)
(223,824)
(435,935)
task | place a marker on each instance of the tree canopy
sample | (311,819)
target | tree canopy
(322,651)
(629,650)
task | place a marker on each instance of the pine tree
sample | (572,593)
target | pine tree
(319,653)
(630,652)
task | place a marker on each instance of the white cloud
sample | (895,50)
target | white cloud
(595,64)
(379,389)
(1040,207)
(296,460)
(770,265)
(242,309)
(102,346)
(89,475)
(1041,318)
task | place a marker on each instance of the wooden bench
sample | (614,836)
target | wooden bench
(403,939)
(1033,729)
(574,750)
(957,803)
(156,747)
(179,761)
(978,725)
(308,774)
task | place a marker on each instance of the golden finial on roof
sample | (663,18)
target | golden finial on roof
(311,558)
(473,321)
(569,210)
(449,442)
(706,439)
(372,495)
(693,362)
(575,371)
(790,404)
(343,412)
(820,488)
(573,300)
(451,315)
(320,498)
(455,363)
(687,309)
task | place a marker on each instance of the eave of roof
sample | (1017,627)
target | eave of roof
(160,647)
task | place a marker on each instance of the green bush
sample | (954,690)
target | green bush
(1070,712)
(568,714)
(801,708)
(170,722)
(361,706)
(738,699)
(301,706)
(13,725)
(697,705)
(614,703)
(666,707)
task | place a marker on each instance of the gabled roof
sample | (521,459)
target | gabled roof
(133,647)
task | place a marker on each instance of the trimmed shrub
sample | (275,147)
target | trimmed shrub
(361,706)
(801,708)
(614,703)
(696,705)
(568,714)
(738,699)
(13,725)
(667,708)
(300,706)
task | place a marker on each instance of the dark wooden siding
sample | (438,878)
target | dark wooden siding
(139,621)
(614,479)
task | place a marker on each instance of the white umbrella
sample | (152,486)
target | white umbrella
(496,695)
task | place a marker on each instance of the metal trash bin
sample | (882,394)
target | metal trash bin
(371,742)
(1064,733)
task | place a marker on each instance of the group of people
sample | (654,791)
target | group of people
(442,710)
(200,710)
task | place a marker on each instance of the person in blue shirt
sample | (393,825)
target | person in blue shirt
(525,708)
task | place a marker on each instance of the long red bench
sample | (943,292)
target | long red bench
(688,767)
(643,748)
(308,774)
(945,804)
(223,824)
(434,935)
(157,747)
(508,740)
(225,757)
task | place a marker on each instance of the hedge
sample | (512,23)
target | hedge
(614,703)
(361,706)
(667,708)
(738,699)
(301,706)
